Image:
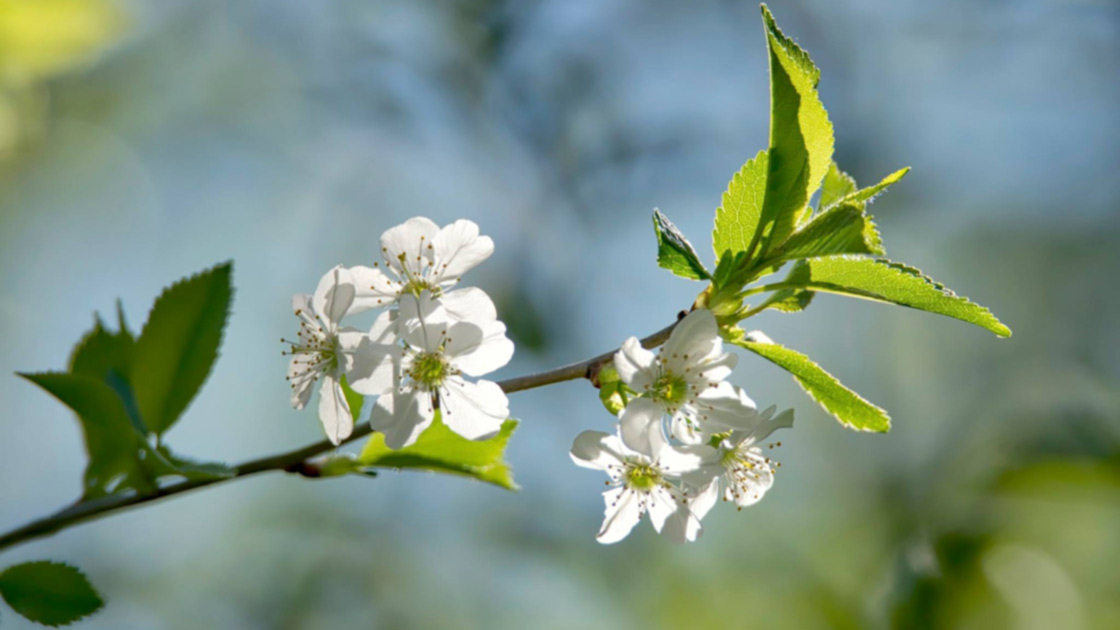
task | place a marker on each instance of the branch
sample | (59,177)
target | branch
(293,461)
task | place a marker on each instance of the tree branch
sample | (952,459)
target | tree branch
(293,461)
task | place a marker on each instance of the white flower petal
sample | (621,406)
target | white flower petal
(373,288)
(694,337)
(640,426)
(371,368)
(705,498)
(384,329)
(421,322)
(408,244)
(635,364)
(334,411)
(469,305)
(662,504)
(458,249)
(728,406)
(747,486)
(478,350)
(334,295)
(763,429)
(475,411)
(402,417)
(715,368)
(301,379)
(621,515)
(596,450)
(301,304)
(682,526)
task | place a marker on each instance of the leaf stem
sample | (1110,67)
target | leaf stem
(292,461)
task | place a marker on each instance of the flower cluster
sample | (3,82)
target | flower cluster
(415,358)
(684,434)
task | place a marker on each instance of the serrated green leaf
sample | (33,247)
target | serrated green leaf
(837,185)
(107,357)
(842,229)
(895,283)
(867,194)
(788,301)
(851,409)
(442,450)
(738,215)
(801,139)
(674,252)
(113,444)
(179,344)
(49,593)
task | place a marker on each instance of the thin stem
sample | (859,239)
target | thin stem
(766,287)
(292,461)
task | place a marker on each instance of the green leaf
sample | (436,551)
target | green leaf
(674,252)
(845,405)
(837,184)
(842,229)
(442,450)
(896,283)
(113,444)
(741,208)
(867,194)
(179,344)
(353,399)
(193,470)
(801,139)
(49,593)
(107,357)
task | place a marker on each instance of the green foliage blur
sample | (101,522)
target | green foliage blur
(287,135)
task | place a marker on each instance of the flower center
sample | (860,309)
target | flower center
(429,369)
(670,388)
(642,477)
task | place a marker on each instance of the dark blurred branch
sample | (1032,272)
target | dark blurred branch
(295,462)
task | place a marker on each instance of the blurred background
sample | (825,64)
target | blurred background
(144,141)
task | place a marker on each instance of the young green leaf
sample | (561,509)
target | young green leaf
(113,444)
(442,450)
(837,185)
(842,229)
(886,281)
(787,300)
(353,399)
(49,593)
(738,215)
(192,470)
(867,194)
(179,344)
(674,252)
(107,357)
(851,409)
(801,139)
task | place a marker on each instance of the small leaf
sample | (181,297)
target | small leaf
(837,184)
(852,410)
(842,229)
(741,208)
(886,281)
(442,450)
(353,399)
(192,470)
(788,300)
(674,252)
(179,344)
(49,593)
(867,194)
(113,444)
(107,357)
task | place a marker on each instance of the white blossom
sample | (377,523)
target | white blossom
(324,351)
(642,483)
(429,374)
(740,463)
(685,382)
(418,256)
